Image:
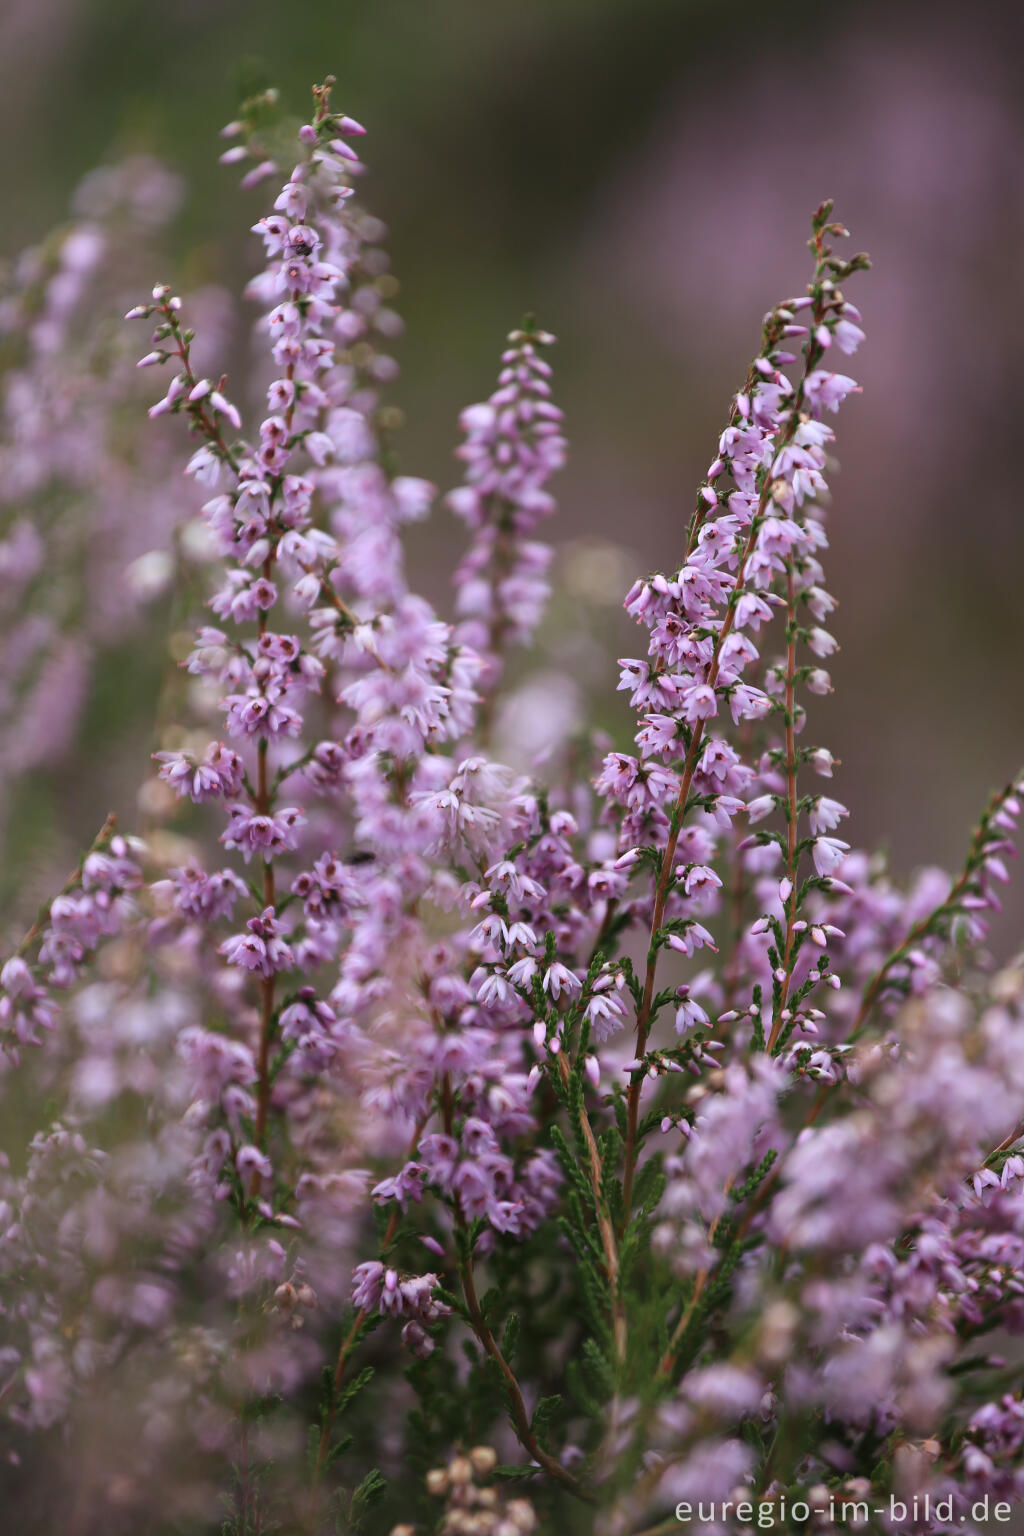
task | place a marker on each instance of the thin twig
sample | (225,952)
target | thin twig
(517,1405)
(104,835)
(606,1227)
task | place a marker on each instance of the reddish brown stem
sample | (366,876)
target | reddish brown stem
(517,1407)
(606,1227)
(104,835)
(480,1326)
(643,1022)
(264,804)
(643,1018)
(360,1318)
(668,1359)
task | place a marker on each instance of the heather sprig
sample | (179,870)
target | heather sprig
(959,914)
(514,444)
(92,906)
(88,503)
(415,1126)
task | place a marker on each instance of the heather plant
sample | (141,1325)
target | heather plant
(431,1146)
(90,502)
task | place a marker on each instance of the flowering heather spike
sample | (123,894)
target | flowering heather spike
(714,1134)
(87,503)
(514,444)
(407,687)
(92,906)
(752,550)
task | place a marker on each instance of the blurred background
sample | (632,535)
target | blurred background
(640,174)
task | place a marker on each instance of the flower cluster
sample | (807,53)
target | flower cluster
(90,507)
(514,444)
(634,1119)
(473,1507)
(95,905)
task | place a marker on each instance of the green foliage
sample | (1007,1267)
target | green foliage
(369,1493)
(571,1168)
(649,1185)
(509,1336)
(544,1416)
(754,1181)
(348,1393)
(597,1371)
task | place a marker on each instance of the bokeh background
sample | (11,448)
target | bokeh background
(639,173)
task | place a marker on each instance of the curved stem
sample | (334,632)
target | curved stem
(668,1359)
(352,1336)
(812,353)
(975,856)
(265,796)
(480,1326)
(606,1227)
(517,1407)
(644,1012)
(42,917)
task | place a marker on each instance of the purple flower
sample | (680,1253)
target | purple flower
(253,832)
(828,854)
(218,776)
(261,948)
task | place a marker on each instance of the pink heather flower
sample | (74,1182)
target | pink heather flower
(606,1013)
(513,446)
(253,1165)
(199,896)
(261,948)
(825,815)
(110,869)
(695,936)
(688,1012)
(264,713)
(367,1283)
(218,776)
(252,832)
(699,879)
(522,971)
(828,853)
(558,979)
(243,599)
(827,391)
(699,703)
(847,336)
(821,643)
(391,1299)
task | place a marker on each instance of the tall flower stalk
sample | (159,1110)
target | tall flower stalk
(635,1137)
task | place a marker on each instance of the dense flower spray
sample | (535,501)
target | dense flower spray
(639,1125)
(513,445)
(89,504)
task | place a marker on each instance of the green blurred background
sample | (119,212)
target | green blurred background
(639,173)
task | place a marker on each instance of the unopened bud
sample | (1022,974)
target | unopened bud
(484,1458)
